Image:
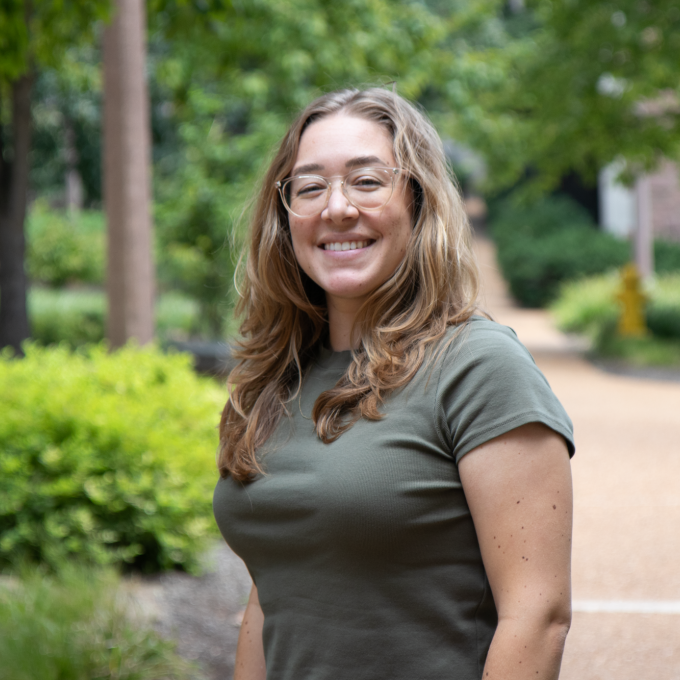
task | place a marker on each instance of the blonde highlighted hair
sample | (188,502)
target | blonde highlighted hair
(285,316)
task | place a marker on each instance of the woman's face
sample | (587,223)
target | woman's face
(332,147)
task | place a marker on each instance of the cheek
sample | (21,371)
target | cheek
(303,248)
(401,235)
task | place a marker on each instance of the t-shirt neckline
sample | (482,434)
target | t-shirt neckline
(327,358)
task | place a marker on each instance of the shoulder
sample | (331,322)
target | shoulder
(485,344)
(489,384)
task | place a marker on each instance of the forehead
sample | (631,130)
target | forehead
(335,141)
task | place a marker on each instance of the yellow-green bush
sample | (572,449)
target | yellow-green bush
(590,306)
(107,456)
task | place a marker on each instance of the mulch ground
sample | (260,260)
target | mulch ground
(202,614)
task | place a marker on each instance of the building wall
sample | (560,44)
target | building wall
(665,200)
(618,208)
(619,204)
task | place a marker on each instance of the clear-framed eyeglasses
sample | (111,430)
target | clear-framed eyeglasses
(365,188)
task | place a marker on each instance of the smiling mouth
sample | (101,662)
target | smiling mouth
(347,245)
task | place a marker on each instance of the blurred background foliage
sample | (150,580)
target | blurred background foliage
(225,80)
(555,89)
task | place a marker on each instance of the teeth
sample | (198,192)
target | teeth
(346,245)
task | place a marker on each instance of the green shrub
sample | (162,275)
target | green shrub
(78,317)
(192,255)
(177,316)
(64,248)
(663,312)
(542,245)
(106,456)
(74,627)
(536,267)
(666,257)
(552,241)
(195,254)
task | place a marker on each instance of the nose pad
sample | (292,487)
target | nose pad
(338,205)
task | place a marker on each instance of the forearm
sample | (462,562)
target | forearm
(526,648)
(249,664)
(518,487)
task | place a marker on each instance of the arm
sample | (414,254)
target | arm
(249,664)
(518,488)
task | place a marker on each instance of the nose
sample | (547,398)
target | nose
(338,208)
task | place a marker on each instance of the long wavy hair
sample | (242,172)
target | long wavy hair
(399,325)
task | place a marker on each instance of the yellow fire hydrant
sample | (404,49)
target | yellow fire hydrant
(632,318)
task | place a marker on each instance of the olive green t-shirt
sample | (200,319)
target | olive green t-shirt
(363,551)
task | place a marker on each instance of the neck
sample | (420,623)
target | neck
(341,316)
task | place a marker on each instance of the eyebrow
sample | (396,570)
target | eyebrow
(362,160)
(358,162)
(304,169)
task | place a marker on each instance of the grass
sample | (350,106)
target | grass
(77,316)
(74,626)
(645,351)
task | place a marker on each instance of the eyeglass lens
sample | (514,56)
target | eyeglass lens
(365,188)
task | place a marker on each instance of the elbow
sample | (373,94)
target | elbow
(551,622)
(560,627)
(560,615)
(558,624)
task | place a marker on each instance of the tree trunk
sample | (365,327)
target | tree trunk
(127,180)
(14,326)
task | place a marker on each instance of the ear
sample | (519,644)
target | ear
(417,200)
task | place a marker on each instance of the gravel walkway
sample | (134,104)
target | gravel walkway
(626,549)
(201,613)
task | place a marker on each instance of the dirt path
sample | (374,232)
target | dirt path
(626,559)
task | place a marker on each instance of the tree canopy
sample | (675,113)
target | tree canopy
(38,32)
(582,84)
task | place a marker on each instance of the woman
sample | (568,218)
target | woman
(394,470)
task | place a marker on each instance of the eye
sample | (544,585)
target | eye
(367,181)
(307,187)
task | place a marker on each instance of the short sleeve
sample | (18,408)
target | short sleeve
(489,384)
